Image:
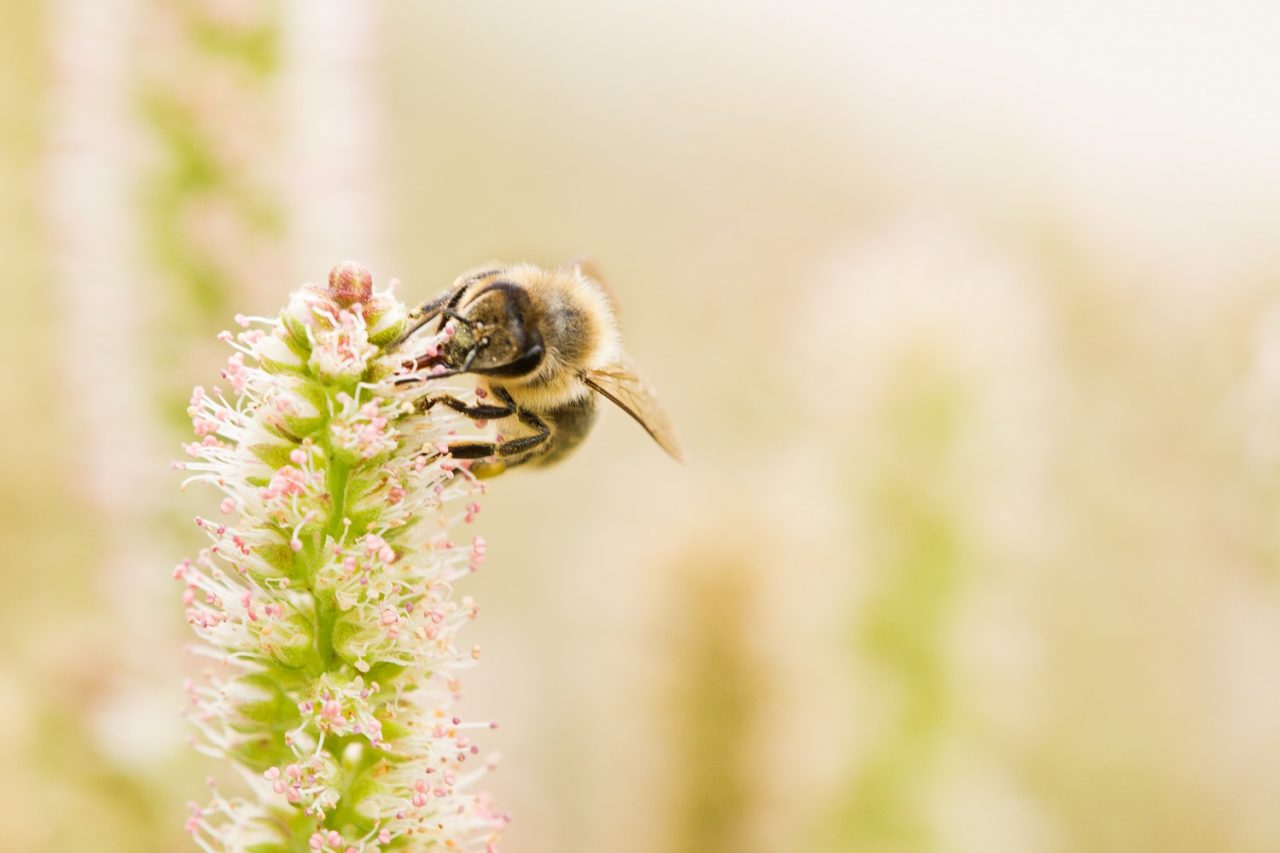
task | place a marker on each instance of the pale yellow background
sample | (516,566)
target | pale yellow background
(967,313)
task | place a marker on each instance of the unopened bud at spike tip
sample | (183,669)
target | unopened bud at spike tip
(350,282)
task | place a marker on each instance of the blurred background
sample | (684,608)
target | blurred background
(967,312)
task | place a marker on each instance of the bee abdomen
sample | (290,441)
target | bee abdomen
(570,424)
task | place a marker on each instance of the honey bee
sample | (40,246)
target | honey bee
(544,343)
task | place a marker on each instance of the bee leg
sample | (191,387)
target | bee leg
(521,445)
(481,449)
(529,419)
(526,417)
(516,447)
(513,447)
(473,449)
(477,413)
(504,395)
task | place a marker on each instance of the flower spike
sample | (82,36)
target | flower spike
(324,598)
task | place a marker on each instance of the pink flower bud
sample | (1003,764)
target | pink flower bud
(350,283)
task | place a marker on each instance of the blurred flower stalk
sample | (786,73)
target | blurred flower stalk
(210,94)
(325,600)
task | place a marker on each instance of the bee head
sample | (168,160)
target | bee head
(495,334)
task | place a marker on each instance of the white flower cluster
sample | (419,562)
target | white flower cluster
(325,600)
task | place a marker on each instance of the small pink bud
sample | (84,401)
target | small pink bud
(350,282)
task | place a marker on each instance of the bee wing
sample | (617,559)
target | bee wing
(622,383)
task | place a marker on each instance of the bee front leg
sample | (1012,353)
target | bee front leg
(479,412)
